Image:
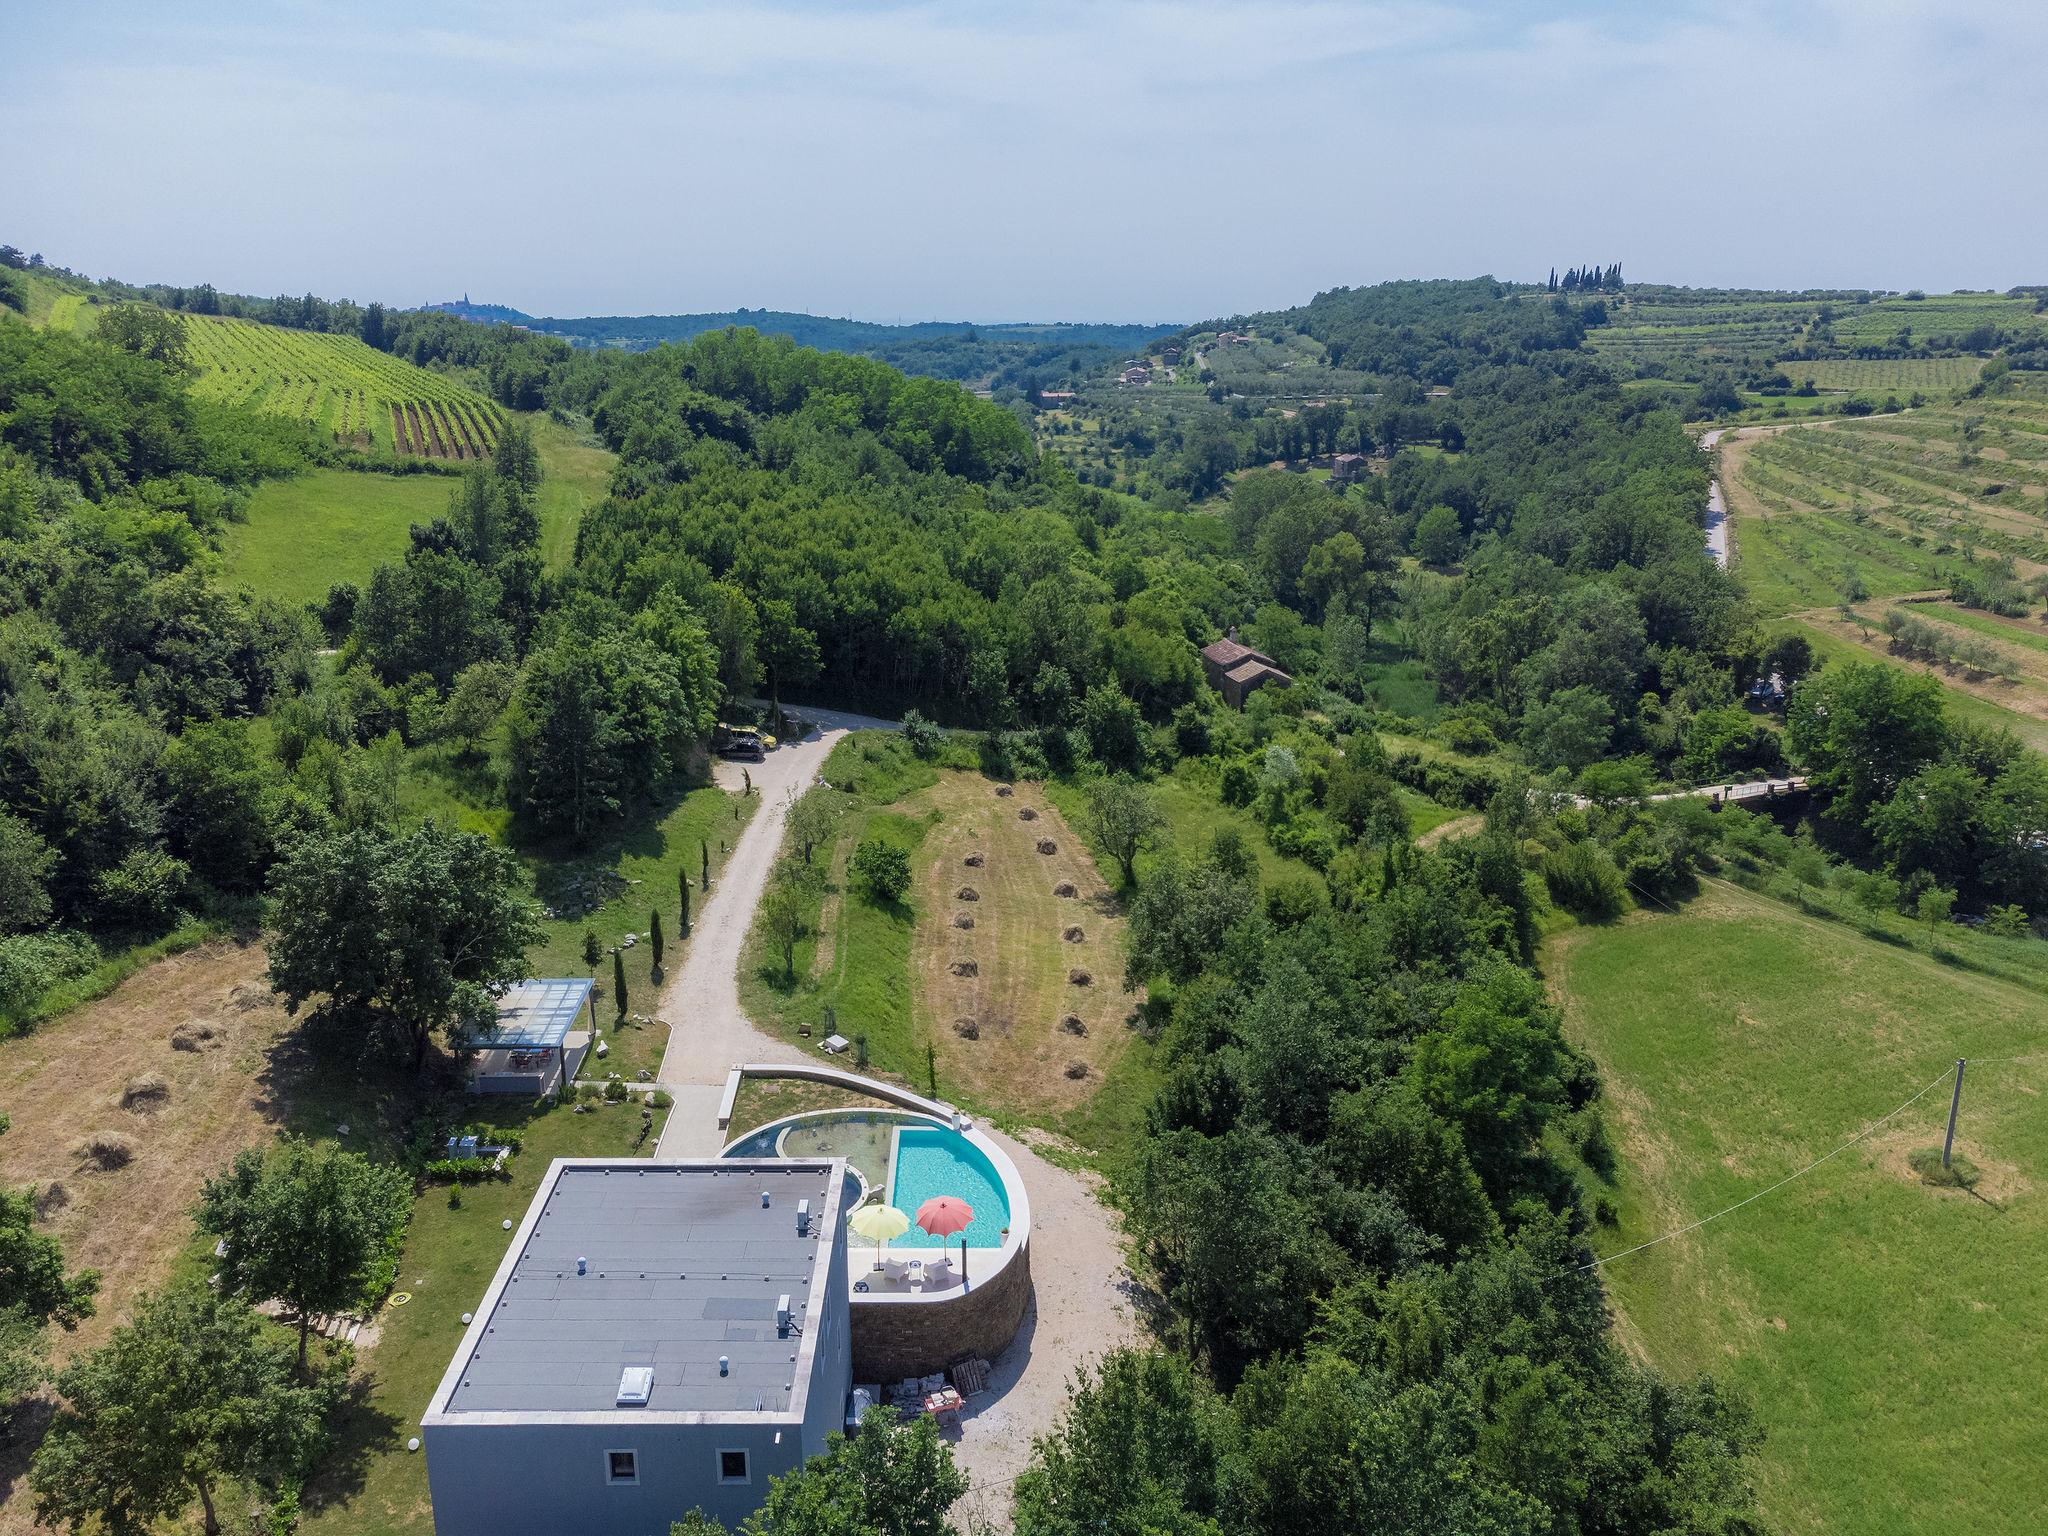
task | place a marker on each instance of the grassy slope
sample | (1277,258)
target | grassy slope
(575,472)
(646,855)
(1884,1330)
(327,525)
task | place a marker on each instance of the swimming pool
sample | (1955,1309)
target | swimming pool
(934,1160)
(910,1157)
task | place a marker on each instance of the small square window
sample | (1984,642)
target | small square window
(732,1467)
(622,1466)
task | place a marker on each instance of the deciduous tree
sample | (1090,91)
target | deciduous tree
(391,927)
(191,1394)
(304,1225)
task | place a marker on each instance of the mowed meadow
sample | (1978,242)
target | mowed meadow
(1886,1331)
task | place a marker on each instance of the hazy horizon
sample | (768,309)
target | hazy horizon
(1120,162)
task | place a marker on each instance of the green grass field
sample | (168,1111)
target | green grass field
(614,887)
(1887,1332)
(864,977)
(304,534)
(360,397)
(575,475)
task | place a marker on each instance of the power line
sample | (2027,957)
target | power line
(1579,1269)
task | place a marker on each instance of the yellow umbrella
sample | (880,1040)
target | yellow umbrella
(879,1222)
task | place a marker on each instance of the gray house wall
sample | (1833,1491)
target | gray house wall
(550,1479)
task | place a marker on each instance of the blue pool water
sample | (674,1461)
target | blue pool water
(907,1155)
(932,1160)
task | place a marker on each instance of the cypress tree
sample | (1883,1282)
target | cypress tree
(704,846)
(683,895)
(619,980)
(654,936)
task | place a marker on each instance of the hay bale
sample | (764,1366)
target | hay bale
(1073,935)
(1077,1070)
(1079,978)
(145,1094)
(972,861)
(1025,813)
(968,893)
(198,1035)
(967,1029)
(966,968)
(963,920)
(105,1151)
(1072,1025)
(1047,845)
(1065,888)
(1003,791)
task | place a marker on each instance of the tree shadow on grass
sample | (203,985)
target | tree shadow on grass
(363,1433)
(24,1434)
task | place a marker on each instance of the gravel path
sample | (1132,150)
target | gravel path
(1717,508)
(1081,1303)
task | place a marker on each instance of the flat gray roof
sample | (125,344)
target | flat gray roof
(682,1265)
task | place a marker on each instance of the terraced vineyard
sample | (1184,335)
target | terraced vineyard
(361,397)
(1681,332)
(1901,376)
(1675,331)
(1886,505)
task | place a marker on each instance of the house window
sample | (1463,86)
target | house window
(732,1467)
(622,1466)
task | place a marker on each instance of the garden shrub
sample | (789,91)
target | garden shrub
(880,869)
(1583,879)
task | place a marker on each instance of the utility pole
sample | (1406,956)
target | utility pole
(1954,1104)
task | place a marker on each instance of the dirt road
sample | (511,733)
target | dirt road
(708,1033)
(1717,508)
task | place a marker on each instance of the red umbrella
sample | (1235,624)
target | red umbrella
(942,1216)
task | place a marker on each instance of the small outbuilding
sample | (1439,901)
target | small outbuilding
(533,1047)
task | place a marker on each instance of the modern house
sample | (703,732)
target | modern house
(661,1337)
(533,1047)
(1237,671)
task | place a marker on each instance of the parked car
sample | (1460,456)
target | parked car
(740,743)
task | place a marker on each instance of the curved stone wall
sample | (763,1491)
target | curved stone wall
(908,1335)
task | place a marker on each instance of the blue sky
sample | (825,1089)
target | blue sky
(1069,159)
